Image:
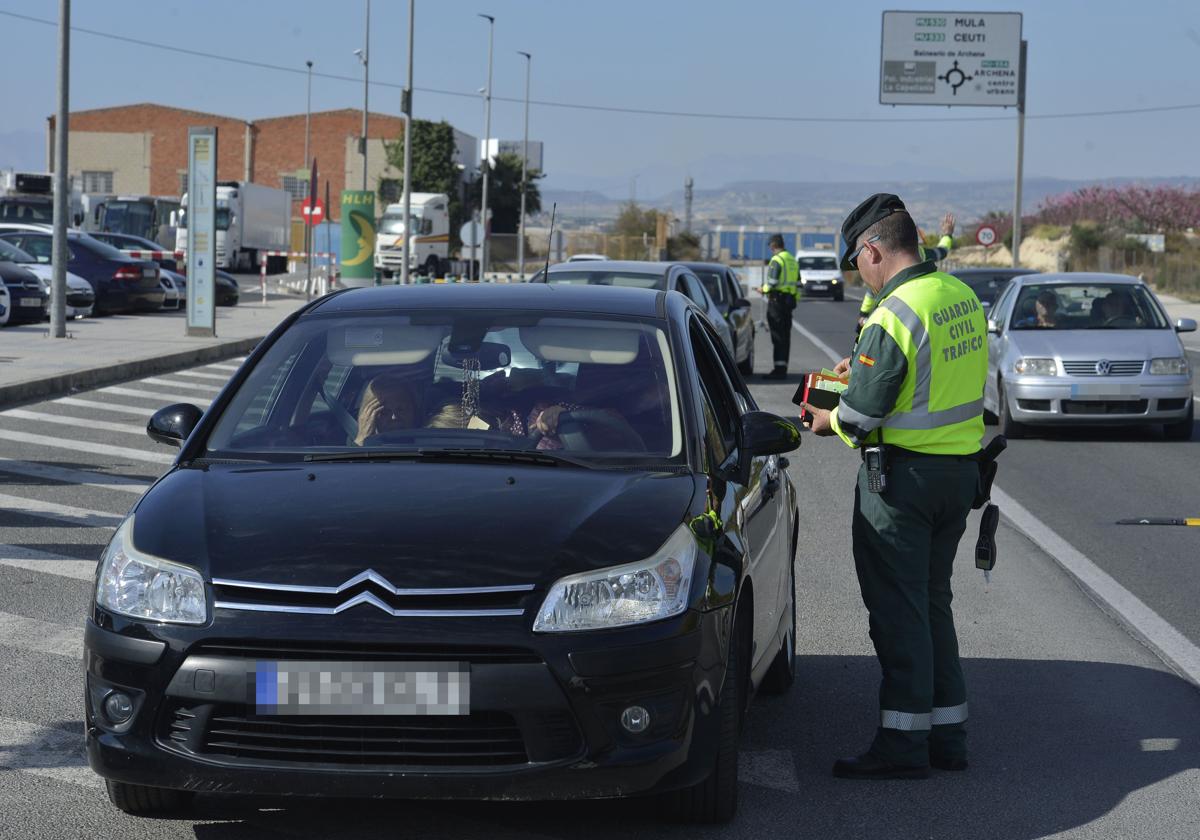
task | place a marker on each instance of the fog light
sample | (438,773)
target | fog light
(118,707)
(635,719)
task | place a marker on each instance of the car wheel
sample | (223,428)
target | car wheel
(747,365)
(1183,429)
(1009,427)
(839,296)
(139,799)
(714,800)
(782,673)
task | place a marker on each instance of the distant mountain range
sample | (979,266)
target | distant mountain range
(825,203)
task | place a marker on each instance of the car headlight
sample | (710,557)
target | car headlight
(647,590)
(1036,367)
(135,584)
(835,281)
(1175,366)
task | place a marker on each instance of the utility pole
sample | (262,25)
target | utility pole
(1016,230)
(308,231)
(62,188)
(688,183)
(406,107)
(524,171)
(366,52)
(487,133)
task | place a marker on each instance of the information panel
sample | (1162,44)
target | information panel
(358,238)
(950,58)
(201,231)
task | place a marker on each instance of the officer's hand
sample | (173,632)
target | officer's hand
(842,368)
(948,225)
(820,424)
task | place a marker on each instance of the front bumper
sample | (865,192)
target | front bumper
(26,306)
(563,695)
(822,288)
(1099,400)
(388,259)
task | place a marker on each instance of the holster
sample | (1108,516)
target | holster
(987,470)
(985,546)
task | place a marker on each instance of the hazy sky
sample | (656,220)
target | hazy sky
(785,57)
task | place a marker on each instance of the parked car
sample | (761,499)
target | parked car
(1086,348)
(173,296)
(988,283)
(80,298)
(129,242)
(226,284)
(26,298)
(820,275)
(624,588)
(664,276)
(723,286)
(121,283)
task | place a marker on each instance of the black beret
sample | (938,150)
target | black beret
(878,206)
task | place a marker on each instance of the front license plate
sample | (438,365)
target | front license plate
(1111,390)
(819,287)
(30,302)
(362,688)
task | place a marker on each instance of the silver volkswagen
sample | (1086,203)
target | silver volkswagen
(1086,348)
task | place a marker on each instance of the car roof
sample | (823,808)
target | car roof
(539,297)
(816,252)
(707,266)
(1081,277)
(994,271)
(630,266)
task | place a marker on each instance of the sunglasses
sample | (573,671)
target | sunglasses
(853,258)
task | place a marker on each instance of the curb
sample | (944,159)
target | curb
(76,380)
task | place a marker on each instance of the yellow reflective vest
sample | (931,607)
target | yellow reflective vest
(788,281)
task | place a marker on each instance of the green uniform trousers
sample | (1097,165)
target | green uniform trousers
(905,540)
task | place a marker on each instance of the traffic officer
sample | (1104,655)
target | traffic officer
(782,289)
(916,392)
(936,254)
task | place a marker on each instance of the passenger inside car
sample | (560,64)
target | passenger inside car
(1045,311)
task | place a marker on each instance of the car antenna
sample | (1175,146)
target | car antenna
(550,240)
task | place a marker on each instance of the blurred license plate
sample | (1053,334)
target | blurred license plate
(362,688)
(30,302)
(149,272)
(1111,390)
(819,287)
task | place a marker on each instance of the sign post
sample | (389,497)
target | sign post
(358,238)
(201,231)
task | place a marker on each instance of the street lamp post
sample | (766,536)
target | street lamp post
(408,124)
(62,189)
(364,57)
(487,133)
(524,170)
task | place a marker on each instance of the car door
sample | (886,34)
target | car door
(750,509)
(997,343)
(697,292)
(740,320)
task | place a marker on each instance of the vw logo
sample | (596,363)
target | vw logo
(1103,367)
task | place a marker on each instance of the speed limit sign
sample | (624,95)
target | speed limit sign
(986,236)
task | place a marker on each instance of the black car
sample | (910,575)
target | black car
(723,286)
(129,242)
(535,541)
(988,283)
(28,300)
(121,283)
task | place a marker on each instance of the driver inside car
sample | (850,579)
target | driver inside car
(389,402)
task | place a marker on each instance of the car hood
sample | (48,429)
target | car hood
(419,524)
(814,274)
(1095,344)
(45,272)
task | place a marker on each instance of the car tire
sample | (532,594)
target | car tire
(782,673)
(747,365)
(1009,427)
(1182,430)
(139,800)
(714,800)
(839,296)
(431,267)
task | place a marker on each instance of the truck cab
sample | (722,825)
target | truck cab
(429,243)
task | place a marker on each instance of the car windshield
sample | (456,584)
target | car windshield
(986,286)
(1086,306)
(11,253)
(394,223)
(133,217)
(609,277)
(817,263)
(712,283)
(16,210)
(600,390)
(222,218)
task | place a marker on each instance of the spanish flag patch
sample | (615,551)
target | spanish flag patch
(864,359)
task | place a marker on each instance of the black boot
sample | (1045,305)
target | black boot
(870,766)
(942,762)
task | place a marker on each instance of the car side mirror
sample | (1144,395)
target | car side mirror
(1185,325)
(173,424)
(993,326)
(764,433)
(740,303)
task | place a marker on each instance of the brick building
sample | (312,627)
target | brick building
(142,149)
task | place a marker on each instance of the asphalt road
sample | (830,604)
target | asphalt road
(1077,730)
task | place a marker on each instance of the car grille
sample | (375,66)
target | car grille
(478,739)
(1104,407)
(1130,367)
(80,299)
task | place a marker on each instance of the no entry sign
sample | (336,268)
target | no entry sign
(313,214)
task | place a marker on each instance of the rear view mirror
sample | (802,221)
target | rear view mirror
(173,424)
(764,433)
(1185,325)
(491,355)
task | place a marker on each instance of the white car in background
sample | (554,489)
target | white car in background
(81,298)
(820,275)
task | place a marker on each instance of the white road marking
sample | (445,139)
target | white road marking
(90,448)
(45,751)
(230,368)
(774,769)
(195,374)
(122,391)
(79,422)
(171,383)
(82,478)
(36,636)
(30,559)
(96,405)
(1171,646)
(62,513)
(821,345)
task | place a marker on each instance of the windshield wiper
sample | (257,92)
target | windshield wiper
(515,456)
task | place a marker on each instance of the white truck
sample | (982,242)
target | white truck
(250,218)
(429,242)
